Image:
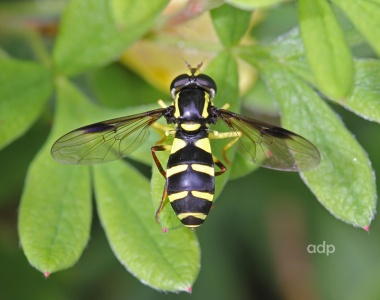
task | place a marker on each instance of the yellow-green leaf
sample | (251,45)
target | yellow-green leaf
(165,261)
(252,4)
(344,181)
(365,15)
(95,32)
(364,100)
(55,212)
(327,52)
(25,87)
(230,23)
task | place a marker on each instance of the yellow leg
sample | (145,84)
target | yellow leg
(163,130)
(226,106)
(162,103)
(225,135)
(216,135)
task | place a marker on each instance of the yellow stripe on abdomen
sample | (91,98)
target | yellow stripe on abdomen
(178,144)
(177,196)
(203,195)
(176,169)
(190,214)
(203,144)
(203,169)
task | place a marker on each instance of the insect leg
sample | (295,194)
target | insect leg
(225,135)
(220,165)
(225,106)
(163,200)
(162,103)
(163,131)
(157,162)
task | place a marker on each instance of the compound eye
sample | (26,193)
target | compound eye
(178,83)
(206,82)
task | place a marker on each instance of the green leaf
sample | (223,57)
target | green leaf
(117,86)
(364,100)
(289,49)
(288,44)
(364,97)
(224,70)
(60,195)
(344,181)
(252,4)
(165,261)
(241,167)
(95,32)
(365,15)
(230,23)
(55,212)
(25,87)
(135,13)
(259,100)
(326,49)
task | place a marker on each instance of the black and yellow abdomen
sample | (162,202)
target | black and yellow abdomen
(190,178)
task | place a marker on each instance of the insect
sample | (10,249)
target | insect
(190,171)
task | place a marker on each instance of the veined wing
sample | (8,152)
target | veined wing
(105,141)
(271,146)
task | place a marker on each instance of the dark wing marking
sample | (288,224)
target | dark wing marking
(105,141)
(271,146)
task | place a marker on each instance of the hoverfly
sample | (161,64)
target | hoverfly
(190,171)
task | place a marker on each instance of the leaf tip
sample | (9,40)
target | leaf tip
(189,289)
(366,228)
(46,274)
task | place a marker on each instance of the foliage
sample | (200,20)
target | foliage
(300,68)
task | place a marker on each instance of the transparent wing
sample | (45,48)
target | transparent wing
(271,146)
(105,141)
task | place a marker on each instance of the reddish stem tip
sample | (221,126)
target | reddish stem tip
(189,289)
(366,228)
(164,230)
(47,274)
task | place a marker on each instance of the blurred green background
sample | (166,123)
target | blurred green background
(254,244)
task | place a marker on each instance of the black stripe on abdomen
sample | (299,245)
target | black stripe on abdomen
(191,204)
(190,180)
